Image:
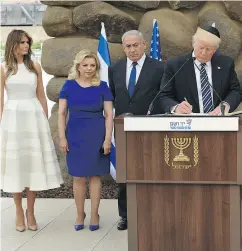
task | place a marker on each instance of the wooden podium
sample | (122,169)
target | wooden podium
(183,186)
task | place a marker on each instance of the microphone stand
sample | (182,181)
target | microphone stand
(222,108)
(151,106)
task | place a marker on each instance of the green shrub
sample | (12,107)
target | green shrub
(2,45)
(36,45)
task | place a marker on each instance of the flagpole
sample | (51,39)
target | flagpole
(104,58)
(154,20)
(155,49)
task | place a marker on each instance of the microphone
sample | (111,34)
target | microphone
(151,106)
(222,103)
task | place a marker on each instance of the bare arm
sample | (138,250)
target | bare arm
(2,91)
(40,93)
(62,113)
(108,113)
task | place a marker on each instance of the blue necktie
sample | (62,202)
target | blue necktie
(132,80)
(206,90)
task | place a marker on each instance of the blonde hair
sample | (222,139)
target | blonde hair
(74,73)
(13,40)
(202,35)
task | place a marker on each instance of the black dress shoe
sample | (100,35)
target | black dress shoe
(123,224)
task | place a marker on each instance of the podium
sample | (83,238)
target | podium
(183,177)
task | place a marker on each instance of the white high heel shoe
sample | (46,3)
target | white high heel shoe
(31,227)
(20,228)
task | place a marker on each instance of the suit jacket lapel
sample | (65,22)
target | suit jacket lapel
(122,75)
(142,75)
(216,78)
(192,81)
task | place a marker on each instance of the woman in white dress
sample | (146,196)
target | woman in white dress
(27,153)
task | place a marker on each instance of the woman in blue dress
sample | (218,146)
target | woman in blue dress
(86,139)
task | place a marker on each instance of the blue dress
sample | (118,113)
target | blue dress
(85,131)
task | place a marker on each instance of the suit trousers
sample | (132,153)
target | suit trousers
(122,200)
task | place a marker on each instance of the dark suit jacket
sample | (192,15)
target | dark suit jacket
(146,88)
(224,81)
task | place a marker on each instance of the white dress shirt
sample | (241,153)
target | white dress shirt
(138,69)
(197,68)
(208,68)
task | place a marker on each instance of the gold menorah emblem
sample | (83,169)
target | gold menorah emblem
(181,144)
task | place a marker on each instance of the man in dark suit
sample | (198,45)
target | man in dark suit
(190,91)
(134,81)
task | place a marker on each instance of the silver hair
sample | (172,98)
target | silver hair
(201,34)
(132,33)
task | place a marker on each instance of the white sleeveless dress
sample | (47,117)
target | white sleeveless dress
(27,152)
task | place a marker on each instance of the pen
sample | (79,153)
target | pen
(187,102)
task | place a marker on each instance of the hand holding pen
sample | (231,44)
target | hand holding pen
(184,107)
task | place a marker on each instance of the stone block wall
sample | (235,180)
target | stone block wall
(75,25)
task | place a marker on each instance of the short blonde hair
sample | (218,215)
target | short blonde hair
(74,73)
(202,35)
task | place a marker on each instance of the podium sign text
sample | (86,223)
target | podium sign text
(181,123)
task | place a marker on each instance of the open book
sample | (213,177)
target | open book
(236,113)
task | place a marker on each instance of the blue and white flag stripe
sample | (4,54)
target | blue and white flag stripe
(104,57)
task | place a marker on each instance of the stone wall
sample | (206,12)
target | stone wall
(75,25)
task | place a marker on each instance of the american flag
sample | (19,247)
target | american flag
(155,49)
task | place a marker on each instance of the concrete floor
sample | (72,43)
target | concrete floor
(55,219)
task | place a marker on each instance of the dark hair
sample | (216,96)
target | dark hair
(13,40)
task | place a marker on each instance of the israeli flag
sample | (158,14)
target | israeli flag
(155,49)
(104,57)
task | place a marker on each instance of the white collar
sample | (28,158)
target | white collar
(198,63)
(140,62)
